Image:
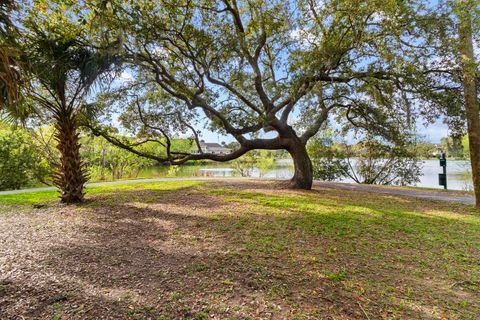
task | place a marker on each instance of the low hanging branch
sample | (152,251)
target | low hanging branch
(245,68)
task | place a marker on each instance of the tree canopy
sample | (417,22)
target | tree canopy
(271,74)
(254,68)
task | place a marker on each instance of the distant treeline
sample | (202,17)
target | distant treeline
(27,157)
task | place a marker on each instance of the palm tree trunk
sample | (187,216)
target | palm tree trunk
(70,176)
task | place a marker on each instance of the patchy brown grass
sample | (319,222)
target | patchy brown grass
(240,250)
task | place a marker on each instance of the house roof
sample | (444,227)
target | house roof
(211,145)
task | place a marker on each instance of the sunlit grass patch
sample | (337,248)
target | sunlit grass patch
(30,197)
(376,223)
(46,196)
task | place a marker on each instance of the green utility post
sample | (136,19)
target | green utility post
(442,177)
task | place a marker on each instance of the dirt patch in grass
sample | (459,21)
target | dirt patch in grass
(240,250)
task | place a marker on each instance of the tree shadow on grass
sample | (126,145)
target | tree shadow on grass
(189,253)
(161,263)
(419,245)
(189,197)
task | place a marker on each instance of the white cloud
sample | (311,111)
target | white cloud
(125,76)
(304,37)
(159,52)
(377,17)
(476,49)
(433,132)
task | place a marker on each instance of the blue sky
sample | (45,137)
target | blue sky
(431,133)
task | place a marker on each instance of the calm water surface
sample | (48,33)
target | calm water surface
(457,172)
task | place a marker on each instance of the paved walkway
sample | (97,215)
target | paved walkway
(409,192)
(429,194)
(127,182)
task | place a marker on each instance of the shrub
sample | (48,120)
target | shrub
(20,164)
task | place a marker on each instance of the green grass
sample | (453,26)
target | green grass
(351,216)
(30,197)
(404,240)
(48,196)
(319,254)
(377,222)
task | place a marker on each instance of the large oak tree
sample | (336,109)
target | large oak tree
(253,68)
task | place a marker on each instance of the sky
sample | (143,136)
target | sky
(432,133)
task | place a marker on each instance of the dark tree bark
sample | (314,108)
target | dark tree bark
(70,176)
(303,175)
(470,93)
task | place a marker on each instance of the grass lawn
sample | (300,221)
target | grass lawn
(237,250)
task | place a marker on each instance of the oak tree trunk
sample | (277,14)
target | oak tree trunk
(470,93)
(303,176)
(70,176)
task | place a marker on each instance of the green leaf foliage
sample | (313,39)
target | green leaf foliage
(20,165)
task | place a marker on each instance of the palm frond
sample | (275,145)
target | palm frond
(12,78)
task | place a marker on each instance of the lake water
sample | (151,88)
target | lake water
(458,176)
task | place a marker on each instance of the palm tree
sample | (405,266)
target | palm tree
(65,71)
(61,70)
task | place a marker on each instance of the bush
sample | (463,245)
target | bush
(371,161)
(327,160)
(387,164)
(20,164)
(108,162)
